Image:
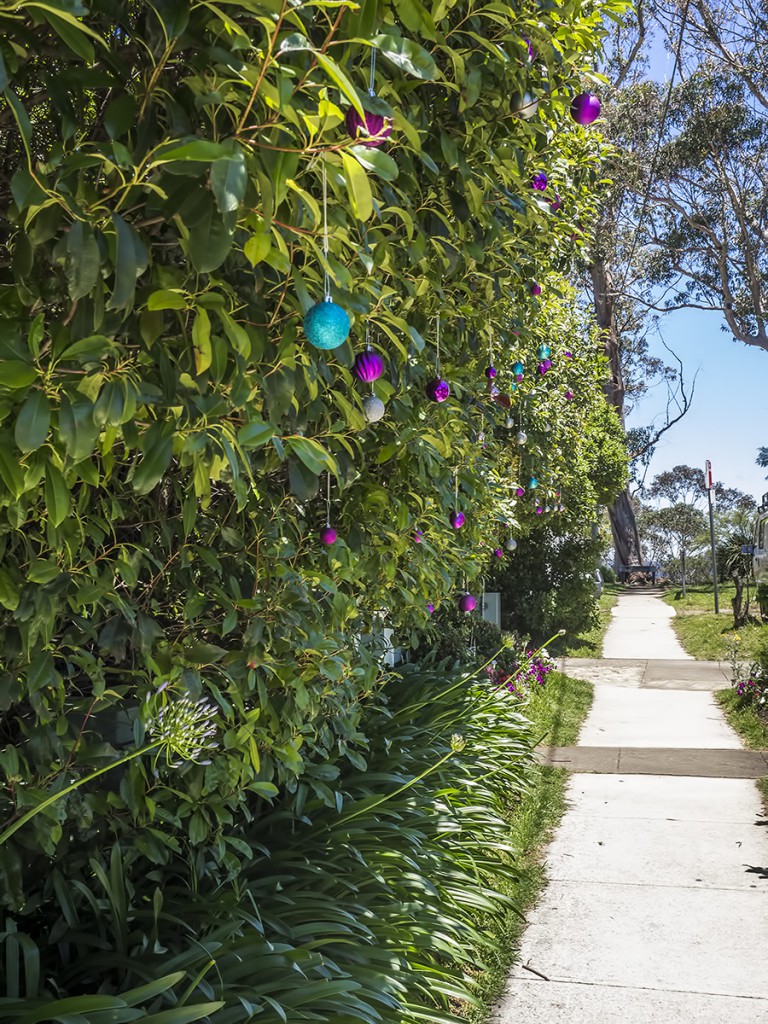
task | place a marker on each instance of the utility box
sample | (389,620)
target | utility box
(491,608)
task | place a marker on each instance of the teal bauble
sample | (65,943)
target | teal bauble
(327,325)
(533,483)
(544,351)
(518,369)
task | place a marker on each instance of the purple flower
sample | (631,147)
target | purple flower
(539,181)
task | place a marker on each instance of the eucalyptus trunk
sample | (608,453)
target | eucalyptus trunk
(626,538)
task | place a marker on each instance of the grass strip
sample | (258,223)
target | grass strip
(710,637)
(557,712)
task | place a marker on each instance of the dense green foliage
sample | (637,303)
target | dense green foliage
(167,434)
(337,915)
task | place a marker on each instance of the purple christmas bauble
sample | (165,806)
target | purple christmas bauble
(368,366)
(519,491)
(498,552)
(556,203)
(438,390)
(430,607)
(467,603)
(569,396)
(539,510)
(490,372)
(539,181)
(456,519)
(585,108)
(418,536)
(530,48)
(328,535)
(544,366)
(568,355)
(535,288)
(372,132)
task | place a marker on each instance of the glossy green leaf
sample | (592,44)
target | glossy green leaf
(83,263)
(157,448)
(33,422)
(229,180)
(58,502)
(360,196)
(406,55)
(16,374)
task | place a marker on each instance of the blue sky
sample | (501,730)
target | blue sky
(727,422)
(729,417)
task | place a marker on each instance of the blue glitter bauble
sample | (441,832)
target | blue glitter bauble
(544,351)
(326,325)
(517,369)
(533,483)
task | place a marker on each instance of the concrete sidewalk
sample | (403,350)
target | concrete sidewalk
(656,910)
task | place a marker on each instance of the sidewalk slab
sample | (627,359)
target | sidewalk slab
(623,717)
(631,797)
(564,1003)
(706,762)
(640,628)
(690,854)
(646,936)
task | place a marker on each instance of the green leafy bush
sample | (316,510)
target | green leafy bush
(361,908)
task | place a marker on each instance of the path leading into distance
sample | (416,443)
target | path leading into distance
(656,910)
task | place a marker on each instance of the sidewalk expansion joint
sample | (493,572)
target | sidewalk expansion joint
(696,762)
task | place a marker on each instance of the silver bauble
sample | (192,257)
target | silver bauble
(373,408)
(522,437)
(510,423)
(511,544)
(524,106)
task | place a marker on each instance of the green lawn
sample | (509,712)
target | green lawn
(590,644)
(710,637)
(557,712)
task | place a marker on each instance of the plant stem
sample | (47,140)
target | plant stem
(52,799)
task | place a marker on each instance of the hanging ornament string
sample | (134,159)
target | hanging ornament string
(328,500)
(327,276)
(437,344)
(371,89)
(456,490)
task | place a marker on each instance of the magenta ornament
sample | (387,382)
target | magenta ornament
(438,390)
(527,42)
(430,607)
(418,536)
(545,366)
(490,372)
(535,288)
(568,355)
(585,108)
(556,203)
(373,131)
(467,603)
(456,519)
(328,536)
(368,366)
(539,510)
(539,181)
(519,491)
(569,396)
(498,552)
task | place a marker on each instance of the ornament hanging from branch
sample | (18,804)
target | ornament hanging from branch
(467,603)
(326,324)
(328,535)
(437,389)
(373,130)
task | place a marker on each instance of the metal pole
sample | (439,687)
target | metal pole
(714,552)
